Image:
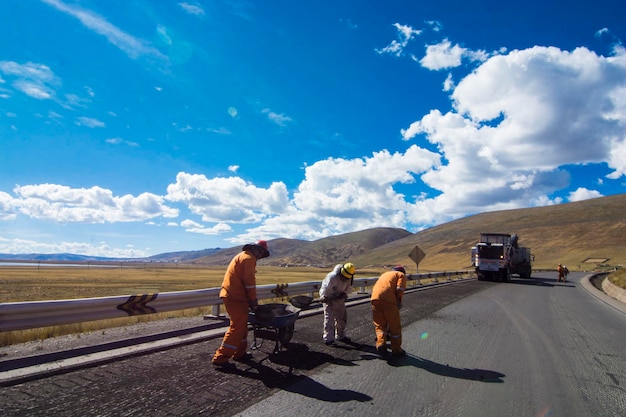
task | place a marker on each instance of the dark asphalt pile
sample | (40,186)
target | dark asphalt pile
(182,382)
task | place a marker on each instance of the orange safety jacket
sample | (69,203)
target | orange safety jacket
(390,287)
(240,278)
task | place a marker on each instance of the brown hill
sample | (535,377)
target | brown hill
(321,253)
(579,235)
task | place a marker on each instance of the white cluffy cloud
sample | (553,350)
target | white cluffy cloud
(87,249)
(86,205)
(518,119)
(341,195)
(227,199)
(444,55)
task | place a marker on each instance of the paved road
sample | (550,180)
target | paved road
(476,348)
(529,348)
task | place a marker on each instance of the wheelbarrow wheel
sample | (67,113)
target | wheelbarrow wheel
(285,334)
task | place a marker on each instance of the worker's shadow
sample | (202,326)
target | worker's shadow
(298,384)
(540,282)
(481,375)
(299,356)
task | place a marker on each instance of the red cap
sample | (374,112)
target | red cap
(399,268)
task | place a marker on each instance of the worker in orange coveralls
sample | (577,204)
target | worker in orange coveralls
(561,272)
(386,303)
(238,294)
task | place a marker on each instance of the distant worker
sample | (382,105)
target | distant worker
(333,293)
(561,272)
(386,303)
(238,294)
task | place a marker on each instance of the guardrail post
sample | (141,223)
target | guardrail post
(215,313)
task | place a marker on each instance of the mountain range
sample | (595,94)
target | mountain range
(579,234)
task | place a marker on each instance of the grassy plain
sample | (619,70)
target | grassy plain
(34,283)
(37,283)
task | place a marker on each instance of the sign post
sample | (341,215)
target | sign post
(417,255)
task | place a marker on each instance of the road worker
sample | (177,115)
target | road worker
(386,303)
(561,272)
(238,294)
(333,293)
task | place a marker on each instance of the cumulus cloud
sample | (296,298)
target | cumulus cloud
(87,249)
(87,205)
(583,194)
(340,195)
(517,119)
(194,227)
(7,210)
(227,199)
(444,55)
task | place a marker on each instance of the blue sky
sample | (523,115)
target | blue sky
(132,128)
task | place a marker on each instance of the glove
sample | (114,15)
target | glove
(253,304)
(343,295)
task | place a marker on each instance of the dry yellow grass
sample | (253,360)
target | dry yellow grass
(619,278)
(33,283)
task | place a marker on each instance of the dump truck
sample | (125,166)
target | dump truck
(497,256)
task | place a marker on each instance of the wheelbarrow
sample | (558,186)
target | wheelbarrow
(273,322)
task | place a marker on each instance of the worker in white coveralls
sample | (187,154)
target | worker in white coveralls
(333,294)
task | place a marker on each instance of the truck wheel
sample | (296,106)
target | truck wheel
(506,275)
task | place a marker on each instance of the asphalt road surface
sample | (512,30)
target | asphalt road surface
(527,348)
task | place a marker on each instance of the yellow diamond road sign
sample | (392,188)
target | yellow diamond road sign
(417,255)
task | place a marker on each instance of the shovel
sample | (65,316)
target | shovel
(304,302)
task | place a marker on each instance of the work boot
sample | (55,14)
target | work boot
(399,353)
(382,351)
(246,357)
(225,366)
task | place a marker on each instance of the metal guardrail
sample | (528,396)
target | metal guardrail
(34,314)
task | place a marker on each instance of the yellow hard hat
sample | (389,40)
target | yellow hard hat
(348,270)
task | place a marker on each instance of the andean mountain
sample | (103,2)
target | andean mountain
(579,234)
